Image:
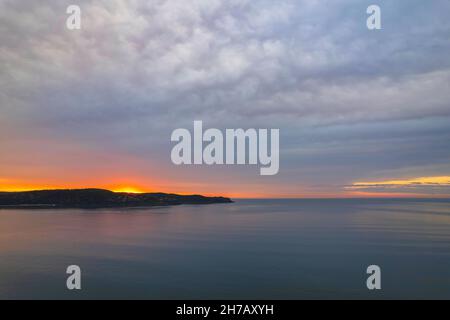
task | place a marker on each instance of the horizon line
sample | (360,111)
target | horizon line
(343,197)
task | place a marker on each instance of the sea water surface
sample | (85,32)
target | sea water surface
(251,249)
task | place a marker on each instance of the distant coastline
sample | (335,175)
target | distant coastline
(97,198)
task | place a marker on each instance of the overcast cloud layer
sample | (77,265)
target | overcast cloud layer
(351,104)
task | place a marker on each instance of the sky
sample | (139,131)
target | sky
(361,113)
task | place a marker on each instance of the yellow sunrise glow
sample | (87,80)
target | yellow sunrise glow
(422,181)
(128,190)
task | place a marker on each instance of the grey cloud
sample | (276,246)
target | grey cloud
(139,69)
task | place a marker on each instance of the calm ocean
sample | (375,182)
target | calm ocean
(251,249)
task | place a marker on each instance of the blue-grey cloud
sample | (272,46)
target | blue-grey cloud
(351,103)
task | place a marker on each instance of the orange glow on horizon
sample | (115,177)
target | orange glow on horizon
(421,181)
(206,190)
(232,195)
(5,188)
(128,190)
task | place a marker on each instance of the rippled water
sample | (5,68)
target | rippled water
(254,249)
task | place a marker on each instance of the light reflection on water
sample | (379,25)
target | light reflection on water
(254,249)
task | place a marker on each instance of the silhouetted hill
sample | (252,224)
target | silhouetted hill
(98,198)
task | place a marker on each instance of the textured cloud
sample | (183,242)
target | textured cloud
(352,104)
